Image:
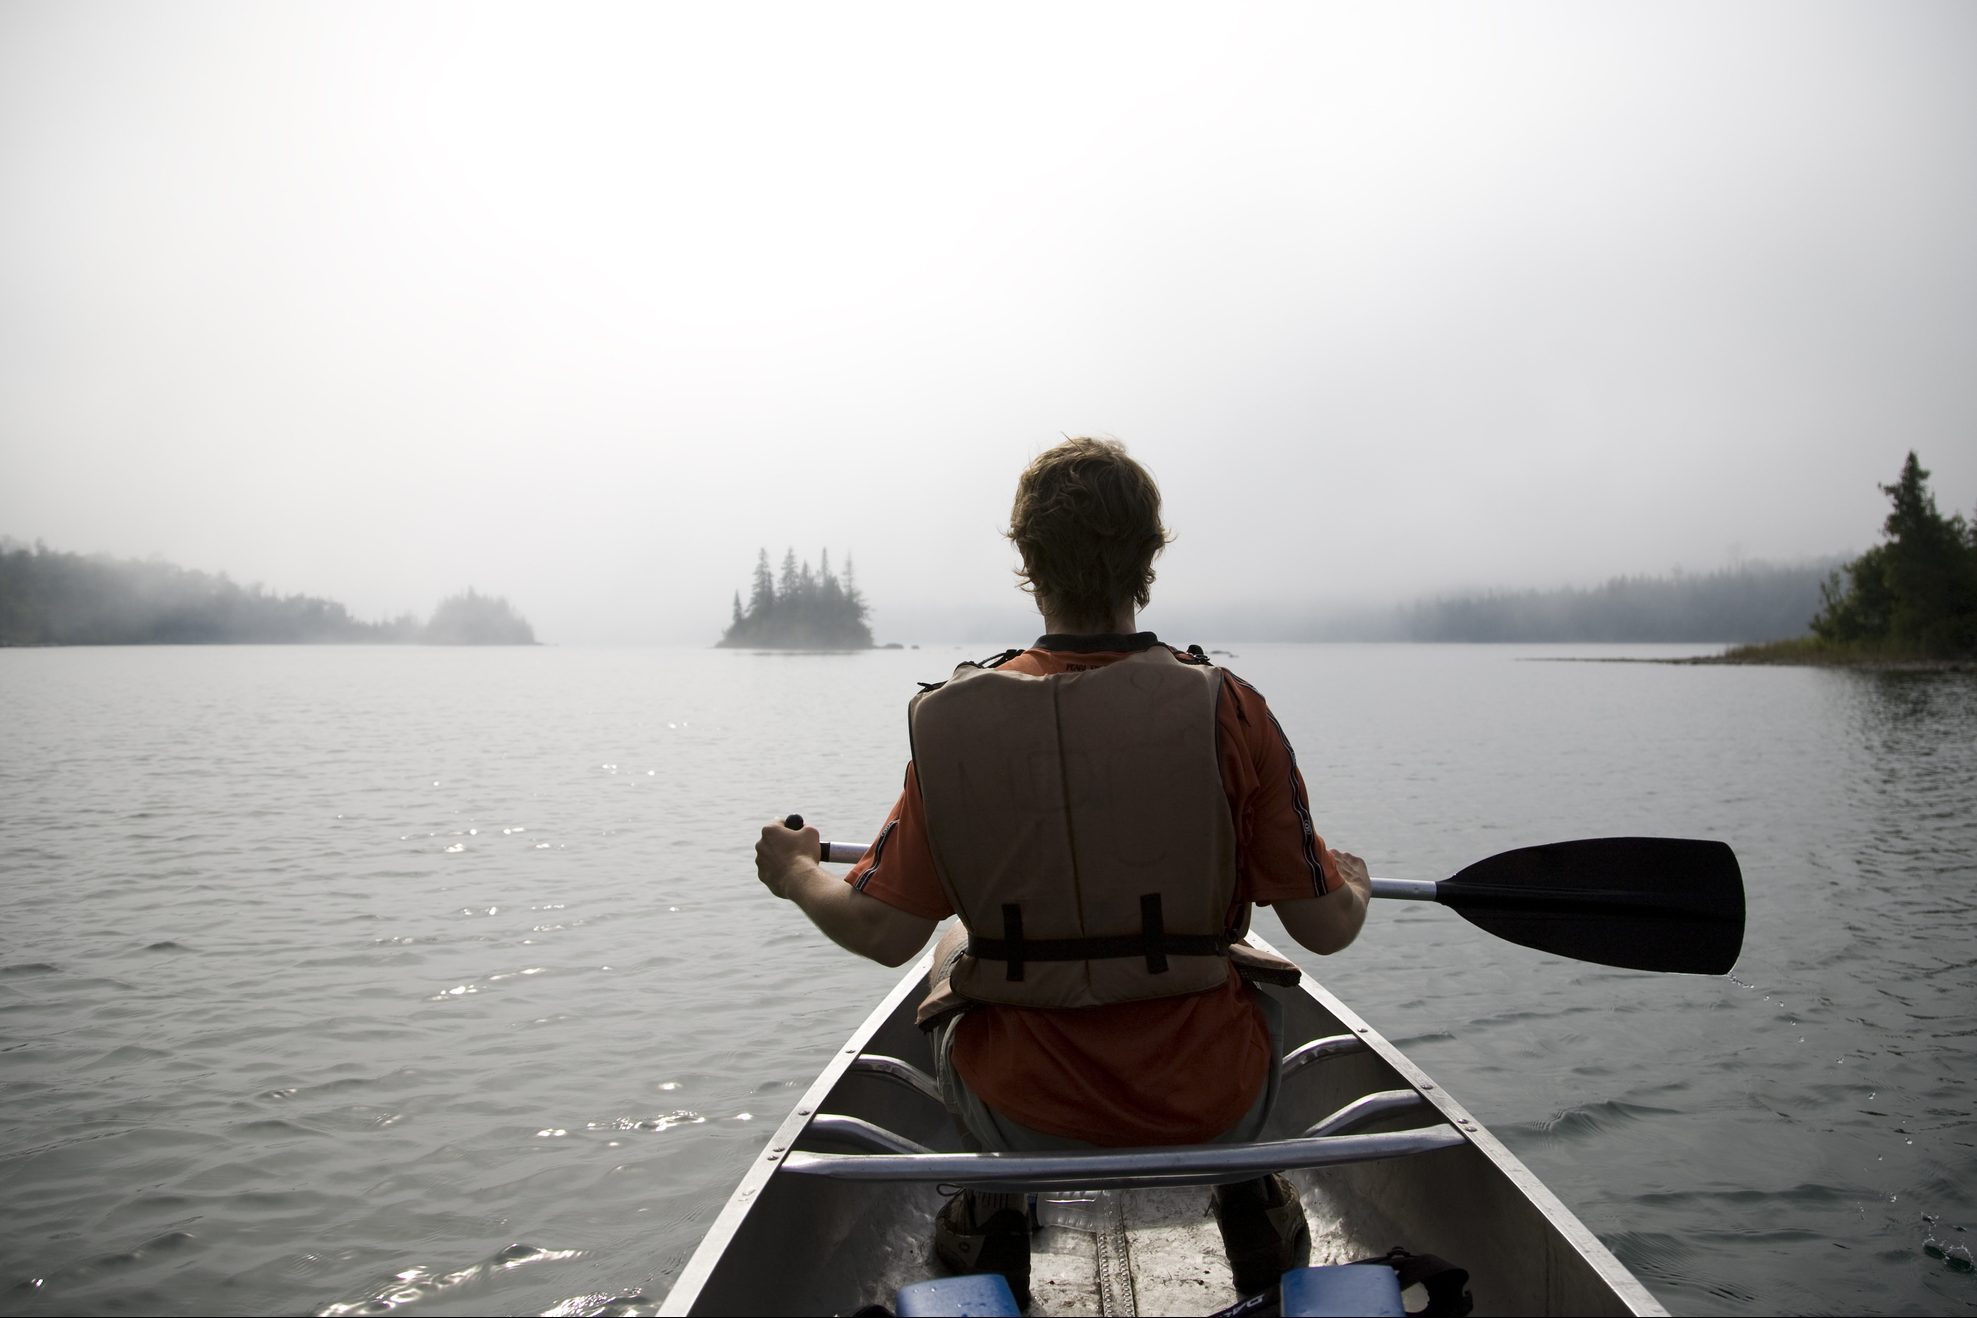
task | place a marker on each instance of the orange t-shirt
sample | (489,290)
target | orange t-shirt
(1174,1070)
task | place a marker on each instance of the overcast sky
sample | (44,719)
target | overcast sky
(581,304)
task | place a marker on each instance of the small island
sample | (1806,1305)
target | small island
(48,597)
(471,618)
(805,610)
(1910,602)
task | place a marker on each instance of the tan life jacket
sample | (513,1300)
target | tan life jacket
(1080,829)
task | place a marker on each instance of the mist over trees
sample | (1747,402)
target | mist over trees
(804,610)
(1916,591)
(52,598)
(1750,602)
(1913,596)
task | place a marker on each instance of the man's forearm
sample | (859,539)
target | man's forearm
(852,920)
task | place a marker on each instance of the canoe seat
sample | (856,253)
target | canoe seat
(985,1293)
(1344,1289)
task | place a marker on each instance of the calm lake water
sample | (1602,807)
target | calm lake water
(342,979)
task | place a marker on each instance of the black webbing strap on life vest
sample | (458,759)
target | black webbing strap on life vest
(1012,930)
(993,661)
(1152,942)
(1153,934)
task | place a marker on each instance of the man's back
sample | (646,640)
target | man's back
(1170,1070)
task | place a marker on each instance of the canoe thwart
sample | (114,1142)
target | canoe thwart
(1332,1045)
(1193,1164)
(1365,1110)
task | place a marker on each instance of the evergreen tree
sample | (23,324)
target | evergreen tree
(1917,590)
(830,593)
(853,599)
(1856,602)
(762,595)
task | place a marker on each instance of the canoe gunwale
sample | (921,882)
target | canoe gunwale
(1612,1272)
(700,1266)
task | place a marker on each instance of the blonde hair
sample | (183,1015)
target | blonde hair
(1087,522)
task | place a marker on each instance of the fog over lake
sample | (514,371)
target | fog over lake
(584,304)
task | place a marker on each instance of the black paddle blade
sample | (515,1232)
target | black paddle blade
(1643,903)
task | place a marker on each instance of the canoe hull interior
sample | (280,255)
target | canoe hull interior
(805,1244)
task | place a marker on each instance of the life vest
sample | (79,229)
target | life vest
(1080,829)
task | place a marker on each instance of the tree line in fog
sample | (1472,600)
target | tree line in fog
(52,598)
(1749,602)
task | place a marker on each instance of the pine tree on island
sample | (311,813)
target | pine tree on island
(804,609)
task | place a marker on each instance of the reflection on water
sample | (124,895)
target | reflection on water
(355,980)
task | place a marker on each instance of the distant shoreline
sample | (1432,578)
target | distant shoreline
(1735,659)
(54,598)
(797,650)
(216,644)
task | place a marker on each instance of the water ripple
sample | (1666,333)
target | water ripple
(420,1283)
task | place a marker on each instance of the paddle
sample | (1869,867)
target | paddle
(1641,903)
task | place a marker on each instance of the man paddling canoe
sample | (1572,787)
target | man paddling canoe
(1102,811)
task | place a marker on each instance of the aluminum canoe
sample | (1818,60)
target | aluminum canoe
(837,1211)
